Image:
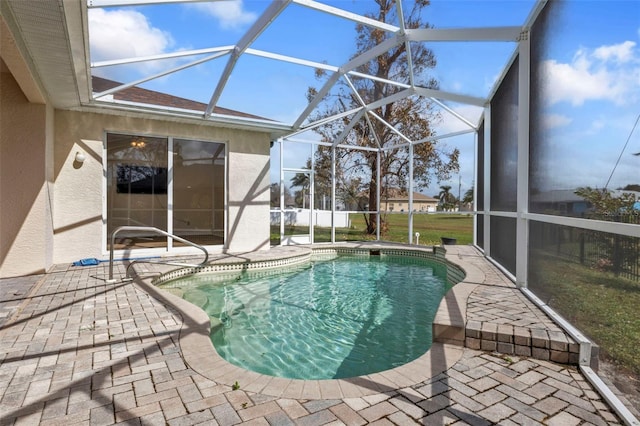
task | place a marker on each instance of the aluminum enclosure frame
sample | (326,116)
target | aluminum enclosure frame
(73,32)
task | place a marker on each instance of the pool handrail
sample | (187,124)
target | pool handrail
(157,231)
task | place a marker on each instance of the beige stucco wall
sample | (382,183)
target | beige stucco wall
(26,240)
(79,198)
(417,205)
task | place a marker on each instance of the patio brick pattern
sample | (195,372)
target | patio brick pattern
(79,351)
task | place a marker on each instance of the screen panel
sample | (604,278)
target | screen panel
(592,279)
(503,242)
(504,142)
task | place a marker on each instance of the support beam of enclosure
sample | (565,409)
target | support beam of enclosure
(161,74)
(380,79)
(291,59)
(448,96)
(389,99)
(407,43)
(390,127)
(333,195)
(347,15)
(410,193)
(281,142)
(465,34)
(455,114)
(378,180)
(522,179)
(269,15)
(486,244)
(349,127)
(319,65)
(180,54)
(113,3)
(323,121)
(354,90)
(318,98)
(352,64)
(447,135)
(373,130)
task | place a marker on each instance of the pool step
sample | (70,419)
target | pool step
(533,342)
(537,343)
(467,317)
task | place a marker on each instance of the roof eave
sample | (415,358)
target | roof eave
(275,129)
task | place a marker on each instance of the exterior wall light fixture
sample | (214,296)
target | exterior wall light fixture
(80,157)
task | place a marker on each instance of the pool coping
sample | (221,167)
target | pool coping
(200,354)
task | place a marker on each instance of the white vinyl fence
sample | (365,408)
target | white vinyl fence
(301,217)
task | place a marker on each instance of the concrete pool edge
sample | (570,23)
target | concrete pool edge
(200,354)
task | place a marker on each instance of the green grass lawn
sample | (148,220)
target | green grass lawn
(603,306)
(431,227)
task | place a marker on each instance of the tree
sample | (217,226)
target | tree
(274,192)
(301,180)
(632,187)
(468,196)
(616,253)
(322,177)
(604,202)
(447,199)
(411,116)
(275,195)
(321,181)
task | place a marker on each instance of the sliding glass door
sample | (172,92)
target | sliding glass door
(176,185)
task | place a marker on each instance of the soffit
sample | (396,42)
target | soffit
(13,62)
(41,28)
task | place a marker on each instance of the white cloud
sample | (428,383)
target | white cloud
(622,52)
(230,14)
(123,34)
(551,121)
(606,73)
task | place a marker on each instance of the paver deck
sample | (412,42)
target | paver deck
(76,350)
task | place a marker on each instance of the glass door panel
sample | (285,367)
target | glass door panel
(198,191)
(137,175)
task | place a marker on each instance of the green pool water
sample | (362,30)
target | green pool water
(337,318)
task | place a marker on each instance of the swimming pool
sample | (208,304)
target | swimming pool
(335,317)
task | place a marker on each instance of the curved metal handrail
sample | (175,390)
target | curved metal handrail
(154,230)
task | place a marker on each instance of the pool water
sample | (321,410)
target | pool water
(337,318)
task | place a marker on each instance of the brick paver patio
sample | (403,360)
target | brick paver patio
(76,350)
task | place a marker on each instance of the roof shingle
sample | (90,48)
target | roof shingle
(151,97)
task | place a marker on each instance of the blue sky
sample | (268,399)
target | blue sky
(593,96)
(593,68)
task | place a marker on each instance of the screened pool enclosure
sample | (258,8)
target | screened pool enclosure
(371,108)
(330,158)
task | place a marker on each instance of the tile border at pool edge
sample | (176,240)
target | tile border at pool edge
(200,354)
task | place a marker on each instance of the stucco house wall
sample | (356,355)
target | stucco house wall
(79,194)
(26,243)
(52,208)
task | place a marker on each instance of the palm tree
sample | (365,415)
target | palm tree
(468,196)
(302,181)
(447,199)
